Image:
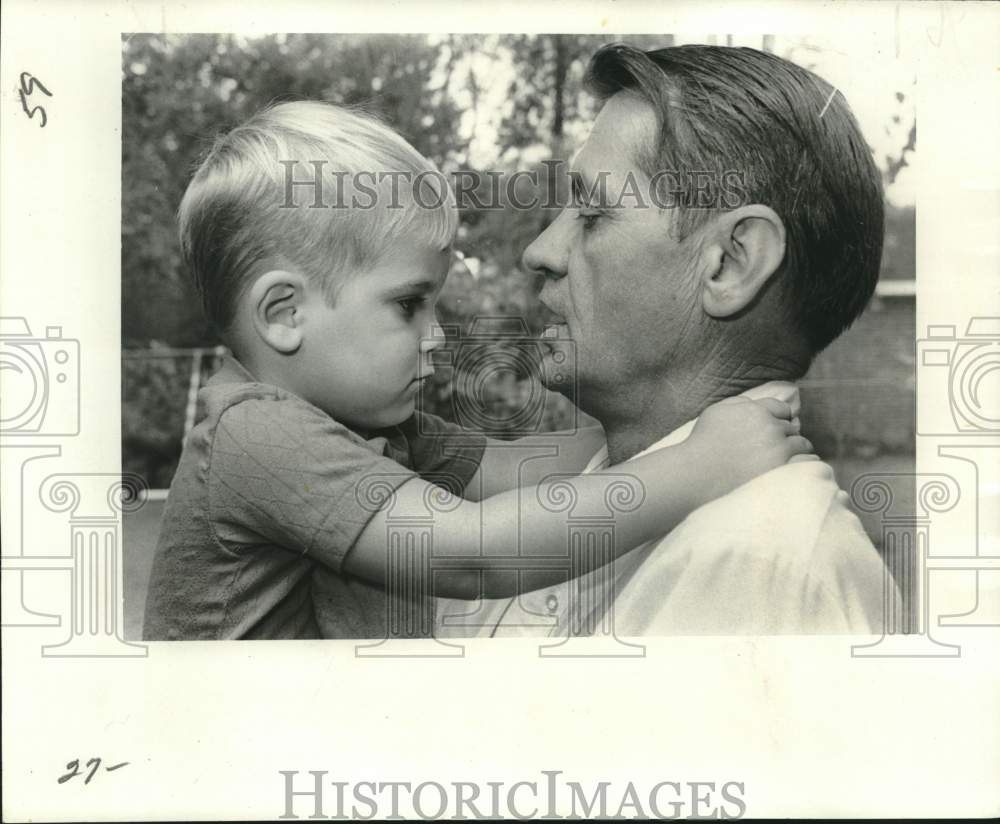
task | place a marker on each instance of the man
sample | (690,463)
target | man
(755,240)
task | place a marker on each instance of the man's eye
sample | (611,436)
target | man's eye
(411,306)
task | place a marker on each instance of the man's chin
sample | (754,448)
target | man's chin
(558,371)
(558,358)
(567,382)
(562,388)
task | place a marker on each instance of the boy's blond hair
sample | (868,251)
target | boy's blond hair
(239,216)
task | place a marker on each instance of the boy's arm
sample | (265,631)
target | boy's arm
(485,535)
(526,461)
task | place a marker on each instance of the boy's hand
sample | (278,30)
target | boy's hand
(738,439)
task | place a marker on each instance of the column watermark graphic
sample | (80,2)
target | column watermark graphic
(39,408)
(95,504)
(409,568)
(907,547)
(965,369)
(958,414)
(589,625)
(586,618)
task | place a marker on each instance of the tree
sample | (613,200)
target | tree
(181,91)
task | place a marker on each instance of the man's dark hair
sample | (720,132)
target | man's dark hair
(797,148)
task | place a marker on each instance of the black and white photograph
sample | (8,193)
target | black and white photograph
(565,410)
(566,250)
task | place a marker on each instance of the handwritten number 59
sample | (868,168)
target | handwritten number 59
(29,83)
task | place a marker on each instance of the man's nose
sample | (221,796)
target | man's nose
(548,254)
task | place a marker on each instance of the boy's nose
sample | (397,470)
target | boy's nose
(434,339)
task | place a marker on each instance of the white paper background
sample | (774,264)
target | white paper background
(206,727)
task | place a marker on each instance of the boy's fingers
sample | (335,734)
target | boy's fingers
(800,444)
(779,409)
(804,456)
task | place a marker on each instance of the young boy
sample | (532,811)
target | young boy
(328,308)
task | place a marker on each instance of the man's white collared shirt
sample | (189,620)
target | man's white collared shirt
(782,554)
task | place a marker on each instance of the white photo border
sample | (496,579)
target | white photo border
(809,728)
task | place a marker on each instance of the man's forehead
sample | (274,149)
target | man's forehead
(624,126)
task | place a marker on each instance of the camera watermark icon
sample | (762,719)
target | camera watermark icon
(499,372)
(39,401)
(18,458)
(966,370)
(41,381)
(984,562)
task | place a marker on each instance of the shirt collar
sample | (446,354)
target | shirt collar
(391,441)
(231,371)
(779,390)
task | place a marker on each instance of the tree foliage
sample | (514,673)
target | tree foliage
(179,92)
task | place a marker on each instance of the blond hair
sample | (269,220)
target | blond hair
(236,217)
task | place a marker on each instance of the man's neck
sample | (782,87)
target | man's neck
(650,412)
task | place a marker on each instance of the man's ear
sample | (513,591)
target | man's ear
(744,248)
(275,302)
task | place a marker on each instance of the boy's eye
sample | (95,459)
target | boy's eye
(412,305)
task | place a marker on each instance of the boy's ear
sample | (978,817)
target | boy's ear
(275,301)
(744,248)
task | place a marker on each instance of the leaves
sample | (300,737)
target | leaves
(179,91)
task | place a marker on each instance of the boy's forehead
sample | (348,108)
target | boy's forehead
(415,263)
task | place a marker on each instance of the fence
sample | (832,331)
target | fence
(858,398)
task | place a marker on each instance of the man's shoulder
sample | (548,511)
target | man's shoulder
(796,512)
(781,554)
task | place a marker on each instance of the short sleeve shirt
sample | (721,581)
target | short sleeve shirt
(269,496)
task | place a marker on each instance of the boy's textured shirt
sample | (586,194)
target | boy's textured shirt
(264,507)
